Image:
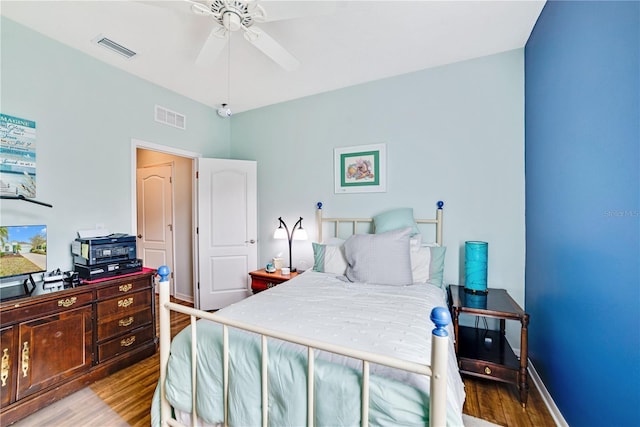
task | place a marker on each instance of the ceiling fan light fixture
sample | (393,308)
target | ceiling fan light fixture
(231,21)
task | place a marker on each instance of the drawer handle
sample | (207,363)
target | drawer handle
(4,371)
(67,302)
(125,302)
(125,288)
(125,322)
(128,341)
(487,370)
(25,358)
(271,285)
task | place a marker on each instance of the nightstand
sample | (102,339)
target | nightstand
(485,353)
(261,279)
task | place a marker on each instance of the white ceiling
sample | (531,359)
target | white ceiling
(338,43)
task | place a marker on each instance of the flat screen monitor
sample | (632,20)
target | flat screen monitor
(23,251)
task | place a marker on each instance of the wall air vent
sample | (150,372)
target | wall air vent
(171,118)
(114,47)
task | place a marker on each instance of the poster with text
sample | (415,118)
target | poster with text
(17,156)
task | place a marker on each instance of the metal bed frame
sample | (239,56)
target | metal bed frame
(437,370)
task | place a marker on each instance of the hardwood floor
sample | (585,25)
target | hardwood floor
(499,403)
(129,393)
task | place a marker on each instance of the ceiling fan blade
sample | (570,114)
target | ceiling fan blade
(199,8)
(212,47)
(271,48)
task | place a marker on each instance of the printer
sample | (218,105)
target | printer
(100,250)
(99,257)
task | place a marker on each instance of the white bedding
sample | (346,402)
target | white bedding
(389,320)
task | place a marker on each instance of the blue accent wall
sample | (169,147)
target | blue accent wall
(582,160)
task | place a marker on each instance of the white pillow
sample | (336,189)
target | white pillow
(328,258)
(420,262)
(379,258)
(427,264)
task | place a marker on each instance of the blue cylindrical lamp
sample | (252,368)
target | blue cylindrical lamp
(475,266)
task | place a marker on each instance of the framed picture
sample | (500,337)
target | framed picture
(360,169)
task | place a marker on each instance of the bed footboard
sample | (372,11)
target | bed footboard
(437,370)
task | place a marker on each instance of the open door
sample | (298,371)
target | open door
(155,217)
(227,231)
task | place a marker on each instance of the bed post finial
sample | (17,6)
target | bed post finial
(319,205)
(441,318)
(440,204)
(163,272)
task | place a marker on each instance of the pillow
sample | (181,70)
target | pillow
(379,258)
(436,267)
(329,259)
(427,264)
(395,219)
(420,262)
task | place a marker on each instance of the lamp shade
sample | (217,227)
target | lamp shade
(475,266)
(280,233)
(300,234)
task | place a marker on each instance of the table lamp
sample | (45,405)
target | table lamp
(475,267)
(297,233)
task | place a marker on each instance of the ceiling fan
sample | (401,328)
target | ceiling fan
(236,15)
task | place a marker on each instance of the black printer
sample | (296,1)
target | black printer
(107,256)
(100,250)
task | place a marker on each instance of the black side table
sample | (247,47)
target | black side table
(485,353)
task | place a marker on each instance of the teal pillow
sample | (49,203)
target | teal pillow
(436,267)
(394,220)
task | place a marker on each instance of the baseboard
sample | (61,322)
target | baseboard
(184,297)
(546,397)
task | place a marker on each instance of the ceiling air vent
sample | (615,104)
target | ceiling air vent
(114,47)
(171,118)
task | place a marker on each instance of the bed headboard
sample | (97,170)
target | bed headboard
(321,221)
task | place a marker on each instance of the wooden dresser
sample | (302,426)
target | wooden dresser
(55,343)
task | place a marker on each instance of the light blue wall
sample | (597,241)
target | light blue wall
(453,133)
(86,114)
(583,208)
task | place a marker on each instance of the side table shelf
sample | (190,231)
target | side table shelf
(486,353)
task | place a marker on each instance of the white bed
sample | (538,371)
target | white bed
(263,381)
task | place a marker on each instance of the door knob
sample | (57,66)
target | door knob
(250,241)
(139,236)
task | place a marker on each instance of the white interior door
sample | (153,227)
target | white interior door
(155,217)
(227,231)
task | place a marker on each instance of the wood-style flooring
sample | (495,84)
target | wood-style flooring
(129,393)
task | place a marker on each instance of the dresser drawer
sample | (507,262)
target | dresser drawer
(122,323)
(259,284)
(124,287)
(124,304)
(125,343)
(49,306)
(488,370)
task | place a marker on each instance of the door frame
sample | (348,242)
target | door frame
(146,145)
